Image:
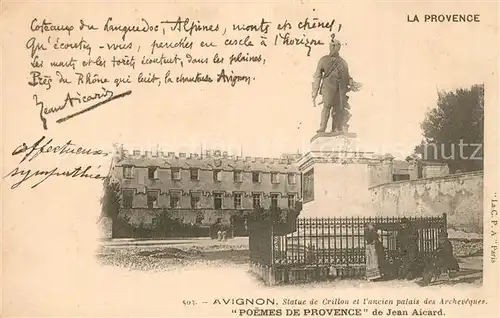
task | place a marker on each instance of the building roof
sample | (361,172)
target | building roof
(432,163)
(230,164)
(403,167)
(400,167)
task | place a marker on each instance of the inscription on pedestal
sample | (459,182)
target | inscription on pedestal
(308,186)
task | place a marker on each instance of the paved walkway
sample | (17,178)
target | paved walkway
(196,241)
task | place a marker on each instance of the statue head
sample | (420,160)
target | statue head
(335,46)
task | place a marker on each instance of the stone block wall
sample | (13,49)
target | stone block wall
(460,196)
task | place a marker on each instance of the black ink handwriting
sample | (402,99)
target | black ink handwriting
(183,43)
(188,26)
(45,26)
(89,27)
(38,78)
(144,26)
(262,27)
(61,120)
(34,46)
(287,39)
(70,100)
(233,78)
(78,172)
(37,148)
(81,45)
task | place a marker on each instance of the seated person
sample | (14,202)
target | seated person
(443,263)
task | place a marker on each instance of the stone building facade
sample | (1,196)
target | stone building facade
(213,187)
(202,189)
(388,170)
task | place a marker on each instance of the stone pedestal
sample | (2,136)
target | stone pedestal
(336,177)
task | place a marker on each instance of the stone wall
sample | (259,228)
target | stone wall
(380,173)
(460,196)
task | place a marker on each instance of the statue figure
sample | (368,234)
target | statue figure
(332,80)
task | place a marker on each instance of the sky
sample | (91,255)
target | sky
(401,66)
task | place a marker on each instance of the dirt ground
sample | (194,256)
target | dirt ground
(173,254)
(165,256)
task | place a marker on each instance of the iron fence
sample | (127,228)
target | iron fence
(332,246)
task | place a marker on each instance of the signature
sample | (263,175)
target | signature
(105,96)
(37,148)
(78,172)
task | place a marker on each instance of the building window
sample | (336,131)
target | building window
(238,176)
(153,172)
(128,172)
(152,199)
(275,177)
(274,201)
(257,200)
(218,201)
(200,216)
(237,201)
(256,176)
(128,198)
(176,173)
(291,201)
(292,178)
(195,174)
(400,177)
(217,175)
(175,200)
(195,200)
(137,153)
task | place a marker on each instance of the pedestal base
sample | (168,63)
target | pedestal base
(336,177)
(339,190)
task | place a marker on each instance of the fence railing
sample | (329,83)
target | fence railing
(331,246)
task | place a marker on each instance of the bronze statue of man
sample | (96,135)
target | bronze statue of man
(332,80)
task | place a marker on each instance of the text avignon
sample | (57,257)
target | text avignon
(244,301)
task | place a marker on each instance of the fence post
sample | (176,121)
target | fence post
(272,280)
(445,221)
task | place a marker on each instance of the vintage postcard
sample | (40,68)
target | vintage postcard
(249,158)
